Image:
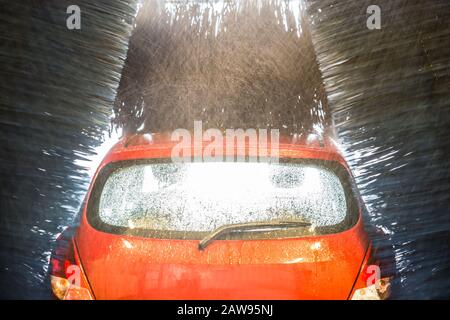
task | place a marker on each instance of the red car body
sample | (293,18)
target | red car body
(117,266)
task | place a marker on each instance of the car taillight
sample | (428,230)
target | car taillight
(372,282)
(380,290)
(66,276)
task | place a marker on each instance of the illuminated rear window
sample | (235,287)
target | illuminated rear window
(200,197)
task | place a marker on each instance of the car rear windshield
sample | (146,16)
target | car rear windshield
(187,200)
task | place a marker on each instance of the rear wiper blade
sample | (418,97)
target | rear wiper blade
(249,226)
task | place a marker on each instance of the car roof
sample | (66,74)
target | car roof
(159,145)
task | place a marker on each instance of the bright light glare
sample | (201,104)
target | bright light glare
(199,175)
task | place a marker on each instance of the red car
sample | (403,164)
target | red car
(154,229)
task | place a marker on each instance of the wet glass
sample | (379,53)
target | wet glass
(203,196)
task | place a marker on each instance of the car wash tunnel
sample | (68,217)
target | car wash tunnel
(366,83)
